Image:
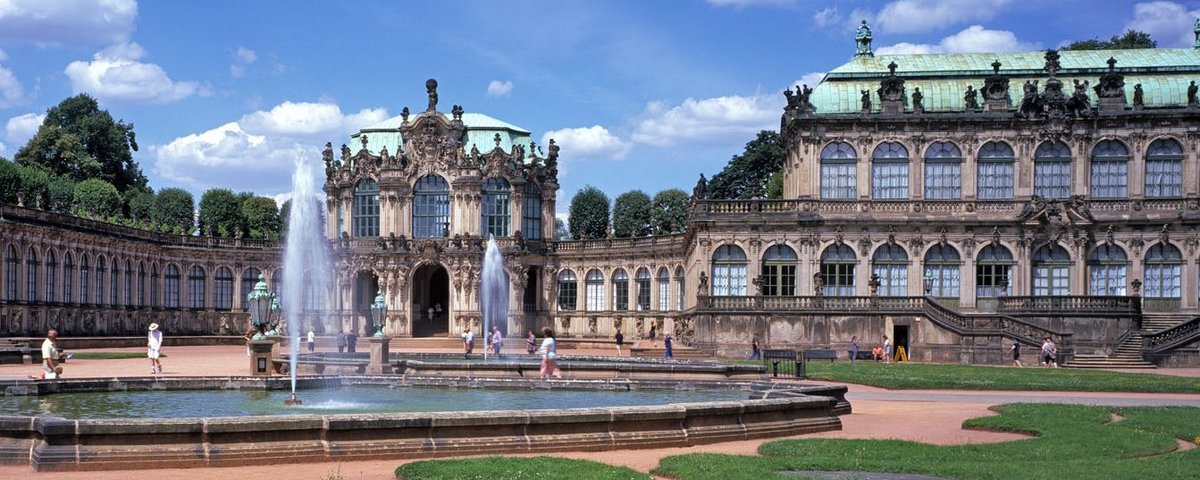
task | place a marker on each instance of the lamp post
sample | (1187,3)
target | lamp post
(258,302)
(378,363)
(928,283)
(379,313)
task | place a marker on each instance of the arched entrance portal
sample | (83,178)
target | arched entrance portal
(430,289)
(366,286)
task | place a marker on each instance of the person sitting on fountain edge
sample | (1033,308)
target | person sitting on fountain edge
(468,342)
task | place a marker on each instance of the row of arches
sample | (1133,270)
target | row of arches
(1108,173)
(614,292)
(431,208)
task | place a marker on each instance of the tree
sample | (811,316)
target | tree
(61,194)
(588,217)
(631,214)
(174,208)
(1131,39)
(220,213)
(33,186)
(97,197)
(262,216)
(560,230)
(10,181)
(79,140)
(669,211)
(775,186)
(141,205)
(746,174)
(285,215)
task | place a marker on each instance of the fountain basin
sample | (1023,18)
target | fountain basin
(54,444)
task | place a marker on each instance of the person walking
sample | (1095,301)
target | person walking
(755,349)
(531,343)
(312,341)
(652,335)
(341,341)
(887,349)
(1016,353)
(50,366)
(352,342)
(154,341)
(1049,353)
(620,338)
(497,341)
(853,348)
(549,351)
(667,352)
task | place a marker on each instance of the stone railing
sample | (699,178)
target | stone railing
(932,207)
(811,304)
(1173,337)
(71,222)
(1107,305)
(33,319)
(672,241)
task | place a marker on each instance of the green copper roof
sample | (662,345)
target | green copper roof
(481,132)
(943,78)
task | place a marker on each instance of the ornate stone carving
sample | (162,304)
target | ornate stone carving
(891,92)
(431,89)
(862,37)
(995,89)
(971,99)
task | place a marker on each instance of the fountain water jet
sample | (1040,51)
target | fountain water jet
(306,266)
(493,298)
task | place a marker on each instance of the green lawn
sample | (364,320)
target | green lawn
(974,377)
(514,468)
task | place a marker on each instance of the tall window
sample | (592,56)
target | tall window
(943,171)
(992,269)
(620,281)
(1163,266)
(1106,270)
(10,273)
(85,276)
(679,289)
(196,287)
(889,171)
(568,290)
(223,288)
(837,271)
(171,287)
(366,209)
(890,262)
(594,295)
(154,286)
(1110,170)
(664,290)
(779,271)
(1051,265)
(31,273)
(942,266)
(1052,170)
(128,283)
(531,219)
(249,280)
(141,284)
(839,172)
(643,289)
(1164,169)
(68,278)
(995,171)
(51,275)
(114,277)
(431,207)
(494,210)
(729,271)
(101,266)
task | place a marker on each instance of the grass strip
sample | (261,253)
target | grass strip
(981,377)
(515,468)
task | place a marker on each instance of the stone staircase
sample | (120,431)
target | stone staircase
(644,350)
(1129,353)
(1156,321)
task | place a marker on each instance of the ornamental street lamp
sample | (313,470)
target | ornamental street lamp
(258,301)
(928,283)
(379,313)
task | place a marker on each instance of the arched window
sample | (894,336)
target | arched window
(620,281)
(1051,266)
(154,286)
(595,290)
(1052,170)
(889,172)
(68,278)
(729,271)
(223,288)
(101,266)
(494,209)
(992,269)
(31,275)
(114,276)
(366,209)
(10,273)
(839,172)
(431,207)
(942,267)
(1163,266)
(837,271)
(779,271)
(128,283)
(890,262)
(196,287)
(531,226)
(51,275)
(85,280)
(1164,169)
(249,280)
(643,289)
(664,290)
(995,169)
(1110,170)
(679,288)
(141,284)
(568,290)
(943,171)
(1106,270)
(171,287)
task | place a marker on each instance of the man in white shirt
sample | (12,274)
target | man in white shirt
(50,366)
(468,342)
(153,344)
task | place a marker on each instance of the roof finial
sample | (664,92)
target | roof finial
(1112,63)
(1052,65)
(892,68)
(431,88)
(863,37)
(497,140)
(996,67)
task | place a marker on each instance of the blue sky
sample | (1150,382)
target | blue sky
(639,94)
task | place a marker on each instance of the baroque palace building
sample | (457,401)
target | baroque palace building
(956,203)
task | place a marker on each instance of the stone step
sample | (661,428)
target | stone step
(659,352)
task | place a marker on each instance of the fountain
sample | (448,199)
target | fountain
(493,296)
(306,265)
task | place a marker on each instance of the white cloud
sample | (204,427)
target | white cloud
(1169,23)
(811,79)
(11,91)
(974,38)
(499,89)
(750,3)
(21,128)
(709,120)
(912,16)
(588,143)
(827,17)
(309,119)
(76,22)
(241,59)
(114,74)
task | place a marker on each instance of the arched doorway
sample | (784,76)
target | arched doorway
(366,286)
(430,289)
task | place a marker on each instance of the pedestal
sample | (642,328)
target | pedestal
(260,357)
(379,356)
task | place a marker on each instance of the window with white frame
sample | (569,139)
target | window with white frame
(532,212)
(494,209)
(154,286)
(779,271)
(10,273)
(942,268)
(85,280)
(995,171)
(679,289)
(171,287)
(196,288)
(1164,169)
(1052,170)
(837,271)
(992,269)
(31,274)
(839,172)
(141,284)
(1107,265)
(594,293)
(889,172)
(643,289)
(620,281)
(1163,266)
(431,207)
(68,279)
(128,283)
(729,271)
(101,266)
(366,209)
(114,276)
(568,291)
(1051,271)
(223,288)
(1110,170)
(943,171)
(890,263)
(51,276)
(664,290)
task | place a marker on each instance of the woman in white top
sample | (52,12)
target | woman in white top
(154,343)
(549,353)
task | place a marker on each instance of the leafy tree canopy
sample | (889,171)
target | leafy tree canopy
(34,182)
(98,197)
(220,213)
(775,186)
(141,205)
(746,174)
(61,194)
(10,181)
(174,208)
(1131,39)
(79,140)
(262,216)
(631,214)
(588,217)
(669,211)
(560,230)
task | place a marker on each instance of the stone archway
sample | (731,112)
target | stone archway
(430,289)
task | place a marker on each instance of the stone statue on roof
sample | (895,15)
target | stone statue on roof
(1191,93)
(918,100)
(431,89)
(862,37)
(971,99)
(866,100)
(1138,96)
